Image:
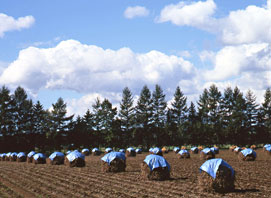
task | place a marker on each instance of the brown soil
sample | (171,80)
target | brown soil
(27,180)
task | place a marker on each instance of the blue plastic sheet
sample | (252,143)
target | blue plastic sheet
(206,150)
(267,145)
(150,150)
(74,155)
(56,154)
(248,151)
(39,156)
(95,150)
(194,148)
(156,150)
(21,154)
(68,152)
(237,149)
(183,151)
(156,161)
(176,149)
(108,149)
(211,166)
(13,154)
(268,148)
(85,150)
(130,149)
(138,150)
(8,154)
(31,154)
(3,155)
(109,157)
(122,150)
(214,149)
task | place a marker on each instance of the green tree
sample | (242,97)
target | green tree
(266,114)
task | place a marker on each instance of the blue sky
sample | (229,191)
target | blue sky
(80,50)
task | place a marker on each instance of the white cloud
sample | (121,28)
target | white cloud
(88,68)
(239,27)
(136,11)
(8,23)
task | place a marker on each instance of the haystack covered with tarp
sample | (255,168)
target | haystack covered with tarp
(85,151)
(21,157)
(108,150)
(96,151)
(207,154)
(39,158)
(122,150)
(268,150)
(183,154)
(30,156)
(215,150)
(216,175)
(157,151)
(130,152)
(56,158)
(155,167)
(165,150)
(8,156)
(75,159)
(266,146)
(138,151)
(237,150)
(247,155)
(3,157)
(13,157)
(176,149)
(113,162)
(194,150)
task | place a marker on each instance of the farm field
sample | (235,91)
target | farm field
(44,180)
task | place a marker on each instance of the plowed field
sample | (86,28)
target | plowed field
(29,180)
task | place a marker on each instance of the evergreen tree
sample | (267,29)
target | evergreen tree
(193,126)
(6,125)
(266,113)
(127,115)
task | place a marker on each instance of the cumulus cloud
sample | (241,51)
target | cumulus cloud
(8,23)
(136,11)
(239,27)
(88,68)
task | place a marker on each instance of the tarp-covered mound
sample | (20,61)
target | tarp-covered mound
(75,159)
(85,151)
(130,152)
(150,150)
(207,154)
(13,157)
(3,157)
(96,151)
(176,149)
(30,156)
(138,151)
(39,158)
(237,150)
(266,146)
(216,175)
(21,157)
(165,149)
(113,162)
(122,150)
(215,150)
(157,151)
(108,150)
(194,150)
(155,167)
(56,158)
(268,150)
(8,156)
(247,155)
(183,154)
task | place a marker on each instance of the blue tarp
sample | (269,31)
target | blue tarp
(248,152)
(122,150)
(39,156)
(214,149)
(13,154)
(267,145)
(194,148)
(176,149)
(8,154)
(156,161)
(237,149)
(109,157)
(156,150)
(95,150)
(74,155)
(68,152)
(31,154)
(150,150)
(211,166)
(56,154)
(21,154)
(130,149)
(138,150)
(85,150)
(3,155)
(206,150)
(183,151)
(108,149)
(268,148)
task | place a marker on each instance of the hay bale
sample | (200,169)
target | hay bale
(150,150)
(253,147)
(3,157)
(194,150)
(176,150)
(13,157)
(8,156)
(39,158)
(75,159)
(56,158)
(86,152)
(122,150)
(138,151)
(130,152)
(164,150)
(21,157)
(231,148)
(30,155)
(216,176)
(96,152)
(108,150)
(155,167)
(184,154)
(247,155)
(157,151)
(113,162)
(215,150)
(207,154)
(200,148)
(268,150)
(237,150)
(266,146)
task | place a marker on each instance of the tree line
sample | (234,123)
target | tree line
(217,118)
